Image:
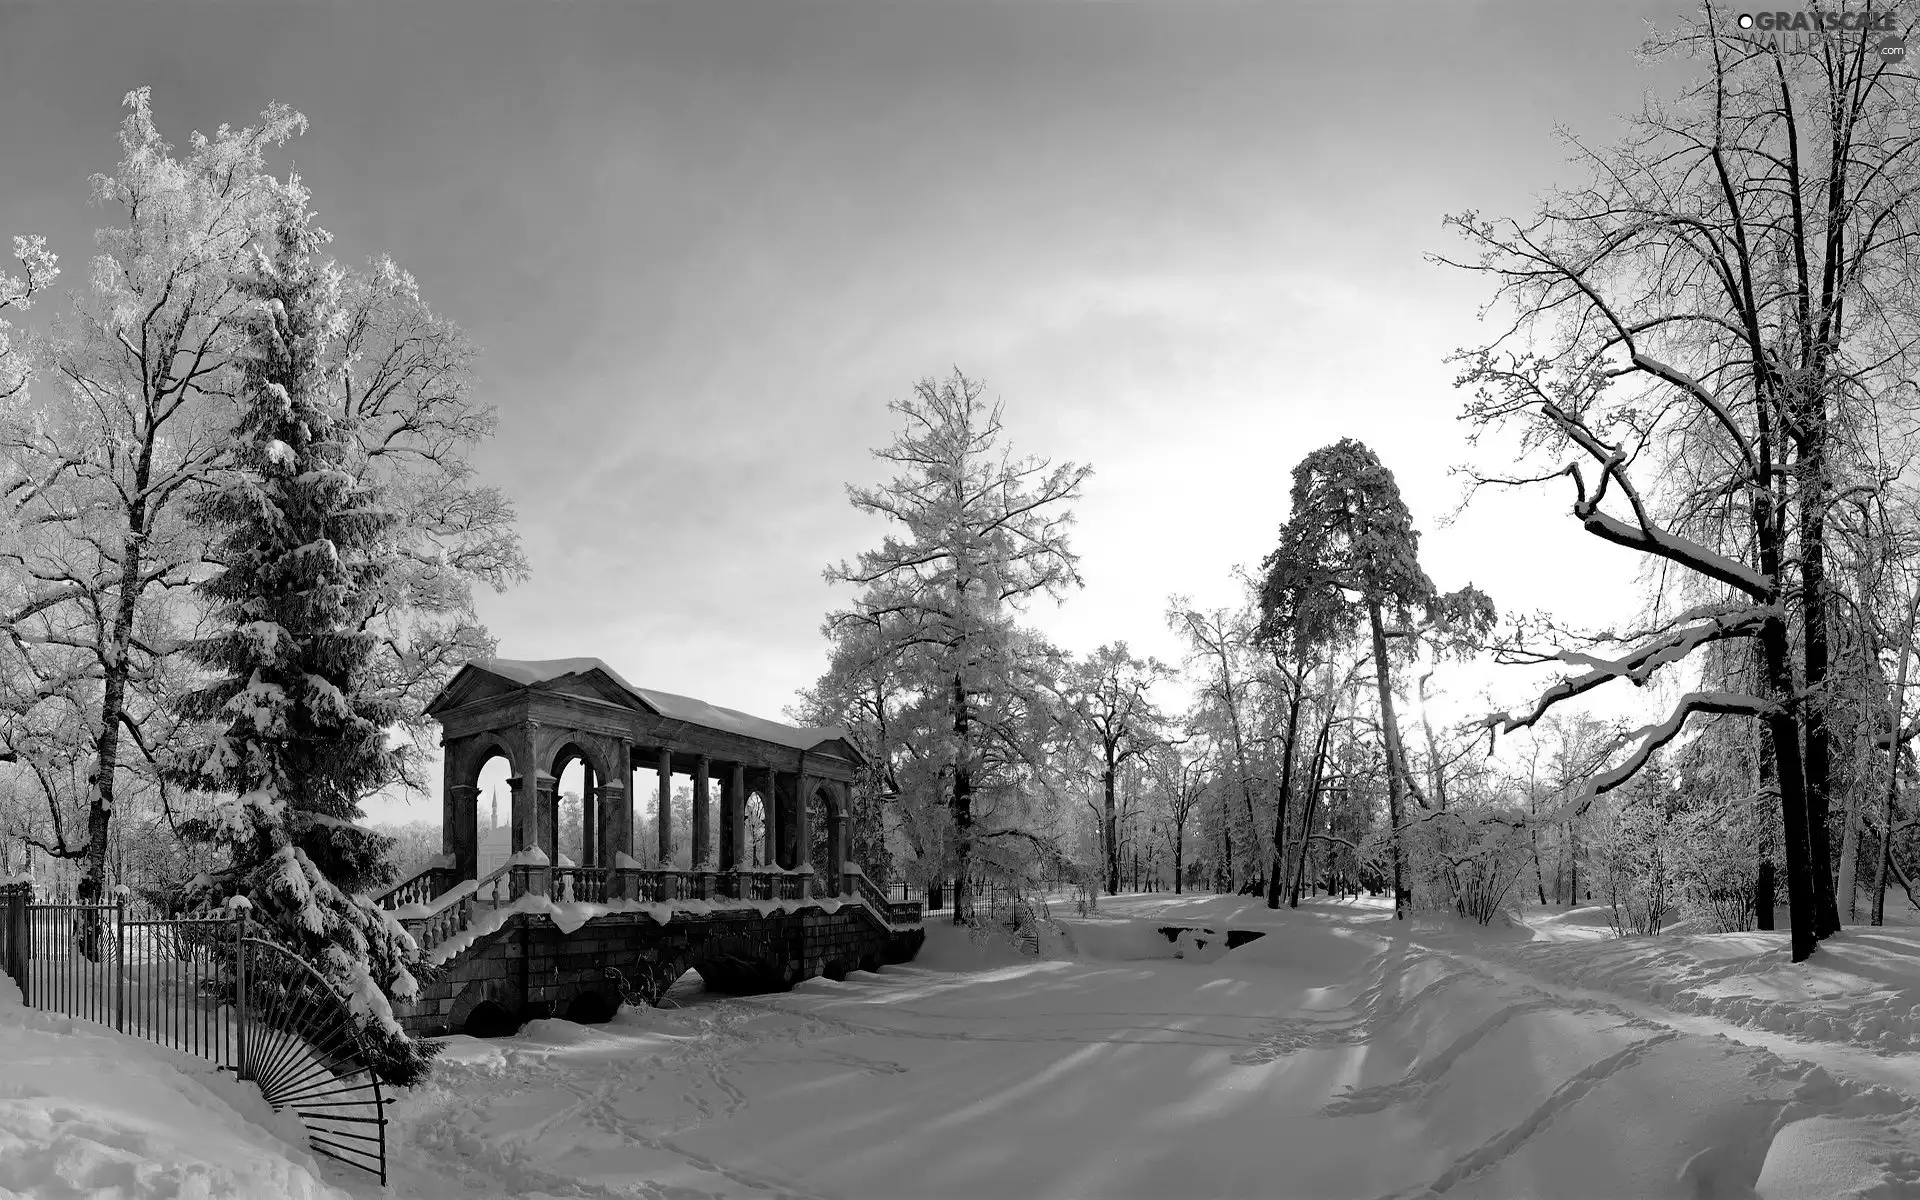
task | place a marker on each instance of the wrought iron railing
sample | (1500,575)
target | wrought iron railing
(894,912)
(210,985)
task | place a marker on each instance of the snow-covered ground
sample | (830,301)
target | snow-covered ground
(87,1112)
(1340,1055)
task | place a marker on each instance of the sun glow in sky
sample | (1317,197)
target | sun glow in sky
(702,245)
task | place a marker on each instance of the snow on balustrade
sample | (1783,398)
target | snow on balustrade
(454,922)
(569,917)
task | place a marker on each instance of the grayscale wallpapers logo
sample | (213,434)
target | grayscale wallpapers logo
(1799,30)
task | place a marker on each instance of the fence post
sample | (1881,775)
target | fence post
(13,915)
(120,959)
(242,1068)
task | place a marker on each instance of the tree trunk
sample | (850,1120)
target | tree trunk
(1110,828)
(962,810)
(1276,877)
(1436,777)
(1844,890)
(1763,885)
(1239,755)
(1573,865)
(1392,741)
(1898,707)
(1226,846)
(1313,799)
(1886,843)
(1784,731)
(1533,831)
(93,880)
(1179,860)
(1817,740)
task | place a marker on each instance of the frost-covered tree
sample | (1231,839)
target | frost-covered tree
(1111,707)
(983,533)
(861,691)
(402,394)
(303,548)
(1218,642)
(102,459)
(1181,774)
(39,267)
(1712,333)
(1348,552)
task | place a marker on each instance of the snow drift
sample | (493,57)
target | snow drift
(87,1112)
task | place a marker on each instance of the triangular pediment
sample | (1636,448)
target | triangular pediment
(485,680)
(468,685)
(840,748)
(596,684)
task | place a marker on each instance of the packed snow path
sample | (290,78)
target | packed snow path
(1339,1056)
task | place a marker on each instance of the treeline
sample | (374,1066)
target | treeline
(1707,348)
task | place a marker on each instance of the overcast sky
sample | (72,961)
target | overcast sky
(702,245)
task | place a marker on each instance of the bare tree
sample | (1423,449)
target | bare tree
(1180,773)
(1710,318)
(1108,693)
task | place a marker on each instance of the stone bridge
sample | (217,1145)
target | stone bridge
(770,901)
(534,957)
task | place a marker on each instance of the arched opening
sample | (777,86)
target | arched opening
(490,1020)
(827,836)
(493,798)
(570,787)
(755,852)
(576,814)
(591,1008)
(685,990)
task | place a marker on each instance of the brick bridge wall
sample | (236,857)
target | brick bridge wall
(531,969)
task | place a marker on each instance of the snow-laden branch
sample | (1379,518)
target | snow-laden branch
(1643,534)
(1640,665)
(1652,737)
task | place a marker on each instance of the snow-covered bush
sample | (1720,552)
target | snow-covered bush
(1635,856)
(1715,869)
(1467,859)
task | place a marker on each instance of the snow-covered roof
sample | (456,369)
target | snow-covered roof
(674,707)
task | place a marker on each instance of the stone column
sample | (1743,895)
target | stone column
(802,823)
(589,816)
(664,766)
(549,809)
(618,806)
(524,822)
(730,801)
(616,825)
(460,831)
(459,812)
(701,768)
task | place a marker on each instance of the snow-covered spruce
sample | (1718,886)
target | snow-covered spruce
(300,728)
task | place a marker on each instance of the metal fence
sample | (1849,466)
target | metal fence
(209,985)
